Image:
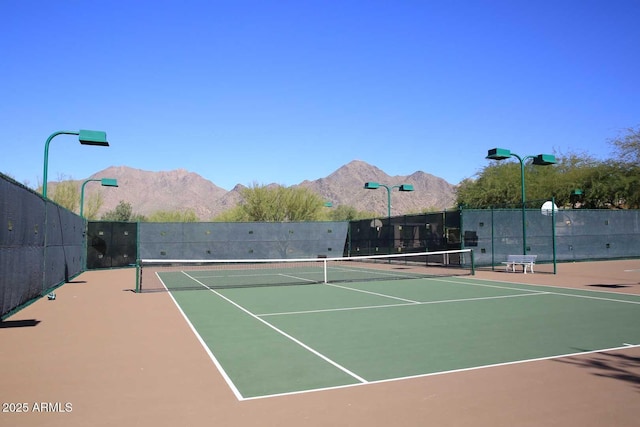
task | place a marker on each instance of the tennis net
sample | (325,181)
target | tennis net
(163,275)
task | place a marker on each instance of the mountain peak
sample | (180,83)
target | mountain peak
(180,189)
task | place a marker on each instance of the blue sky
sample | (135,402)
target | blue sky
(282,91)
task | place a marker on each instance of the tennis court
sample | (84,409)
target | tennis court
(276,340)
(123,358)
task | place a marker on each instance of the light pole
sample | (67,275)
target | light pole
(402,187)
(375,185)
(538,160)
(105,182)
(577,196)
(86,137)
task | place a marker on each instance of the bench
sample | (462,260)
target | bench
(523,260)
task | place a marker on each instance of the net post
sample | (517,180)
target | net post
(473,263)
(138,275)
(324,267)
(553,234)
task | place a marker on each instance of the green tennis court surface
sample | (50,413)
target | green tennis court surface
(275,340)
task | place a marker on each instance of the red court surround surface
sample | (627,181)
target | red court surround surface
(101,355)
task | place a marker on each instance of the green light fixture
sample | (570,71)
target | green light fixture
(371,185)
(86,137)
(105,182)
(538,160)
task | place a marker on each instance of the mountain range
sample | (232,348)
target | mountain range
(179,189)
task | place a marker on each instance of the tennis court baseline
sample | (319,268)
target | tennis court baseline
(275,340)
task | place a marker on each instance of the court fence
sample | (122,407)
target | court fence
(436,231)
(251,240)
(559,235)
(43,245)
(562,235)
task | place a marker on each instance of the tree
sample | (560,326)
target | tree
(122,212)
(93,205)
(173,216)
(67,195)
(497,185)
(348,213)
(339,213)
(235,214)
(627,167)
(627,146)
(612,185)
(275,204)
(605,184)
(301,204)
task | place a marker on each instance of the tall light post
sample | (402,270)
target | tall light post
(375,185)
(538,160)
(105,182)
(86,137)
(402,187)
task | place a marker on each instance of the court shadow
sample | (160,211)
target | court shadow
(18,323)
(608,286)
(616,366)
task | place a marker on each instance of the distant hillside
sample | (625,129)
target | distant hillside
(179,189)
(345,186)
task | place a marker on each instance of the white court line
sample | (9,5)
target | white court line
(550,292)
(204,345)
(372,293)
(329,310)
(226,276)
(595,291)
(297,278)
(453,371)
(371,307)
(281,332)
(241,398)
(376,273)
(484,285)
